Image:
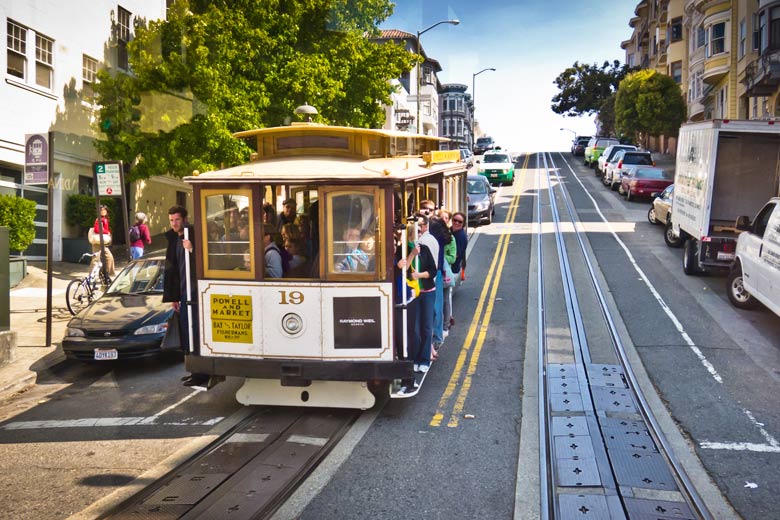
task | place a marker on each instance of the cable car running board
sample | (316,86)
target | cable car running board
(399,391)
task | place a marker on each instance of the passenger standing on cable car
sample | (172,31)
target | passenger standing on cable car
(441,233)
(426,250)
(175,284)
(461,242)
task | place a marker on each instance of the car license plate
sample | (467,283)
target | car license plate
(104,354)
(726,257)
(494,175)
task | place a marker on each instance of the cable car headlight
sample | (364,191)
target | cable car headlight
(292,324)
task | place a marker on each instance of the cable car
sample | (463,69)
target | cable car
(324,329)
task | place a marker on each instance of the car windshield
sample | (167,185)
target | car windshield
(497,158)
(141,277)
(476,187)
(483,140)
(653,174)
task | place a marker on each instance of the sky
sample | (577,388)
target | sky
(529,43)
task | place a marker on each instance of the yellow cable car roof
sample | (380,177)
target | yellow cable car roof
(310,152)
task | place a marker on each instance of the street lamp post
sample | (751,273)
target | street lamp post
(419,79)
(572,131)
(474,101)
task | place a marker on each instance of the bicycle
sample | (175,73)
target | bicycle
(81,293)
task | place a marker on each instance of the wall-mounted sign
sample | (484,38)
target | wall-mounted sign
(36,159)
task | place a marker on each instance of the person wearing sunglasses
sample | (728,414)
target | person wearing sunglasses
(461,241)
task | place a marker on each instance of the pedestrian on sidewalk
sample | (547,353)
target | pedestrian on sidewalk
(102,227)
(139,236)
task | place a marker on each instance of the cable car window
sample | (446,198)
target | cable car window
(352,218)
(228,233)
(299,230)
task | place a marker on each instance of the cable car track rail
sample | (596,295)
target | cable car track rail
(248,472)
(601,452)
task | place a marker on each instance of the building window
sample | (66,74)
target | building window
(717,39)
(677,71)
(89,67)
(123,37)
(774,29)
(742,39)
(17,50)
(676,33)
(181,198)
(85,185)
(763,35)
(43,61)
(701,38)
(722,99)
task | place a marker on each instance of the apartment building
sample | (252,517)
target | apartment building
(457,114)
(53,52)
(724,54)
(415,107)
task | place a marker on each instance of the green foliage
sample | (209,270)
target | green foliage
(217,67)
(648,103)
(80,211)
(583,88)
(607,116)
(18,215)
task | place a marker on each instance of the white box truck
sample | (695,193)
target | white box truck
(724,169)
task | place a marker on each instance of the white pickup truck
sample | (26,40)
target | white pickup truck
(755,276)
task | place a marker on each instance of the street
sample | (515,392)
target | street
(462,448)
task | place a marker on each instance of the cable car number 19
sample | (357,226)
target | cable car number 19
(291,298)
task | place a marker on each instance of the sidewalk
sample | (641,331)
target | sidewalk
(28,320)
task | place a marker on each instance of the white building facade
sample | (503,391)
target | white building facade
(53,51)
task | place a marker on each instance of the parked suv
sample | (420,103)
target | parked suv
(595,146)
(484,144)
(607,155)
(626,159)
(579,144)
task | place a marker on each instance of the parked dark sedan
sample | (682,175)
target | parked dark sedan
(128,321)
(481,199)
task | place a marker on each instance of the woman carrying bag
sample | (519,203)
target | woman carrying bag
(101,226)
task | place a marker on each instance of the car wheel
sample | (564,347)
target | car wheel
(651,217)
(629,197)
(738,296)
(670,238)
(490,218)
(690,259)
(620,189)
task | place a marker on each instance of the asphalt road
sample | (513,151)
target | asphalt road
(451,452)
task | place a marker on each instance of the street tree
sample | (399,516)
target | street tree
(649,104)
(607,116)
(583,87)
(216,67)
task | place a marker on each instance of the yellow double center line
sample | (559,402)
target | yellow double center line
(476,328)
